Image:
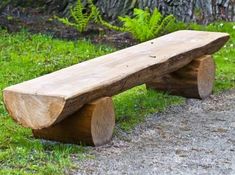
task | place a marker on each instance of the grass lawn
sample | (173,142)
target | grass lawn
(24,56)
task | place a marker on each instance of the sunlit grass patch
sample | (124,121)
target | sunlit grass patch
(24,56)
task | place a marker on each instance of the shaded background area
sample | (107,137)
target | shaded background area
(38,16)
(201,11)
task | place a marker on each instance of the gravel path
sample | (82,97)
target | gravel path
(196,138)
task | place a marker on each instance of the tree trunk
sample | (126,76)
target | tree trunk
(201,11)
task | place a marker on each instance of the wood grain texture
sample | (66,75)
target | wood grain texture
(46,100)
(91,125)
(195,80)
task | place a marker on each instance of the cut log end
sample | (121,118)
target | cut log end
(103,121)
(206,76)
(93,125)
(33,111)
(193,81)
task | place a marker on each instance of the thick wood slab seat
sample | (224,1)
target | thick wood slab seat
(44,101)
(194,80)
(91,125)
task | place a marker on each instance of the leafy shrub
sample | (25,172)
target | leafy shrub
(144,25)
(81,19)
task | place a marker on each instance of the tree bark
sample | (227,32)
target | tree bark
(201,11)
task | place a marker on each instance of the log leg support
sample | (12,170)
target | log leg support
(193,81)
(91,125)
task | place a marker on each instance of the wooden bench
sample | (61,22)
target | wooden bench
(74,104)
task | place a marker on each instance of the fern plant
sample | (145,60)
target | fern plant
(81,19)
(144,25)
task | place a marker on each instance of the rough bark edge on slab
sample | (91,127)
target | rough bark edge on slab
(92,125)
(195,80)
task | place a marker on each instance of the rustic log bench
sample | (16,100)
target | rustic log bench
(74,104)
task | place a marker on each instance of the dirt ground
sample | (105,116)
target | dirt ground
(193,139)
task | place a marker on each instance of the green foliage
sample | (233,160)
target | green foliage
(178,25)
(144,25)
(109,26)
(81,19)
